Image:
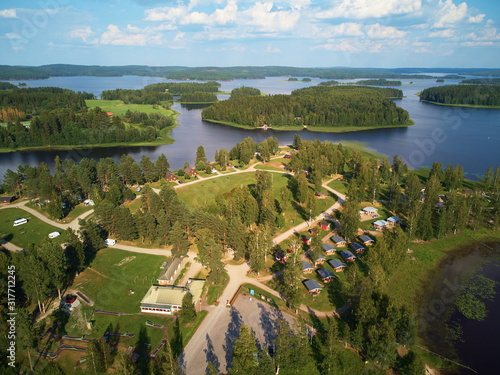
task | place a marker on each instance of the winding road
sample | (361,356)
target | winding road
(193,360)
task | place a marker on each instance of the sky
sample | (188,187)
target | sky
(301,33)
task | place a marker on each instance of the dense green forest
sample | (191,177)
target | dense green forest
(378,82)
(67,127)
(313,106)
(176,88)
(473,95)
(482,81)
(137,96)
(31,101)
(199,97)
(226,73)
(7,86)
(329,83)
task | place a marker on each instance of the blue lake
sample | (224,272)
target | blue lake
(466,136)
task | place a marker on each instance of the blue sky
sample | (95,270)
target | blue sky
(304,33)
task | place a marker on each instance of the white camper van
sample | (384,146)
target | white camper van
(20,222)
(54,234)
(110,242)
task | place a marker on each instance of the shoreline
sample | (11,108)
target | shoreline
(321,129)
(462,105)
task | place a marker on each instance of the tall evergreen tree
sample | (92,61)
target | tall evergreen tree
(179,241)
(200,155)
(162,166)
(244,353)
(188,312)
(349,220)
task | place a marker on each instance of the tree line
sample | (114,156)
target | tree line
(69,127)
(244,91)
(32,101)
(142,96)
(178,88)
(487,95)
(313,106)
(199,97)
(482,81)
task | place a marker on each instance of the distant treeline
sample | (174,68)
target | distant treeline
(329,83)
(482,81)
(463,95)
(31,101)
(313,106)
(378,82)
(175,88)
(226,73)
(7,86)
(199,97)
(137,96)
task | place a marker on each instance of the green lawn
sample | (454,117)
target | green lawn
(35,231)
(202,193)
(70,215)
(340,186)
(108,283)
(119,108)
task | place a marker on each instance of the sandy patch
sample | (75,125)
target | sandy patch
(125,260)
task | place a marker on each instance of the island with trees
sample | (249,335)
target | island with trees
(318,108)
(481,96)
(378,82)
(365,317)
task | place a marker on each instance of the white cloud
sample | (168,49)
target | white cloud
(378,31)
(421,44)
(131,36)
(18,48)
(8,13)
(179,37)
(476,19)
(165,13)
(447,33)
(370,8)
(450,13)
(476,44)
(351,45)
(12,36)
(269,49)
(262,16)
(166,27)
(421,50)
(84,34)
(346,28)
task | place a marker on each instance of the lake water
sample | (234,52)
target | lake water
(469,137)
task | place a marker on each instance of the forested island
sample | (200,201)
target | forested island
(378,82)
(325,108)
(463,95)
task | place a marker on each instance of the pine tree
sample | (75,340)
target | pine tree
(302,188)
(179,241)
(349,220)
(53,255)
(162,166)
(25,333)
(245,352)
(95,359)
(148,169)
(188,313)
(200,155)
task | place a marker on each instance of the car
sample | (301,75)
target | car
(181,182)
(375,216)
(138,189)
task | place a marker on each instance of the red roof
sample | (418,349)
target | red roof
(109,114)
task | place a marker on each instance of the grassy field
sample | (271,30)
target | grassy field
(70,215)
(340,186)
(113,273)
(119,108)
(35,231)
(202,193)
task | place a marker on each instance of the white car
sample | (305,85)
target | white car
(110,242)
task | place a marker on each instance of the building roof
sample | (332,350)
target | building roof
(169,270)
(328,247)
(189,170)
(324,273)
(306,265)
(380,223)
(347,254)
(305,238)
(326,223)
(337,239)
(369,209)
(312,285)
(357,246)
(170,174)
(159,295)
(335,263)
(394,219)
(6,199)
(365,238)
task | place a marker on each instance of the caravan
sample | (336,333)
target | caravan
(20,222)
(54,235)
